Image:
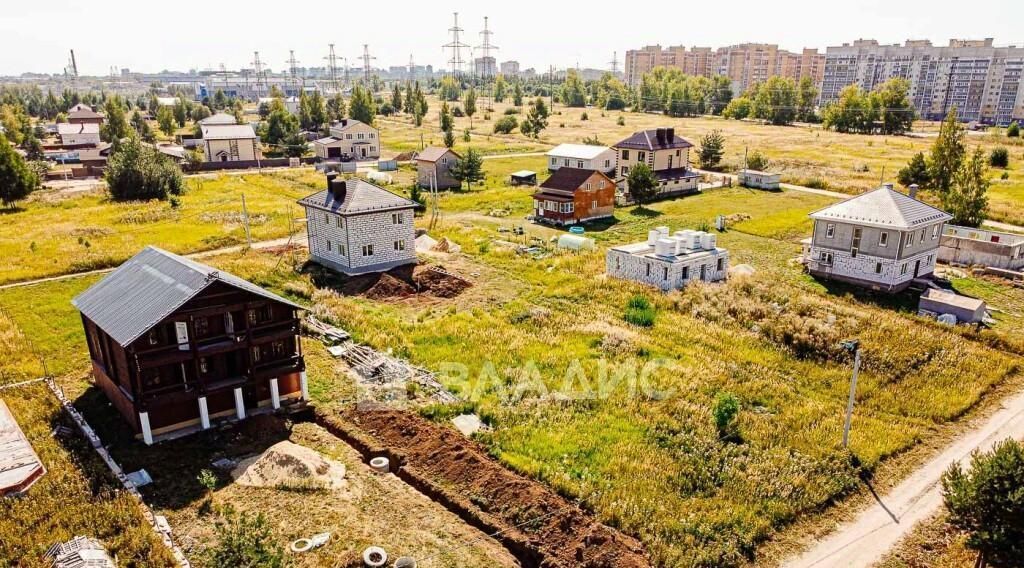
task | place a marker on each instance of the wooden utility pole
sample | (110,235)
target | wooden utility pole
(245,220)
(852,345)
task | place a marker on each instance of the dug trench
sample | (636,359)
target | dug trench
(539,527)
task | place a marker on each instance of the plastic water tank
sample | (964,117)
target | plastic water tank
(708,241)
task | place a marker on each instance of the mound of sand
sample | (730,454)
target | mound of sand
(286,464)
(445,245)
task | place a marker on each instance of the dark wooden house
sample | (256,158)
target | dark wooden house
(176,344)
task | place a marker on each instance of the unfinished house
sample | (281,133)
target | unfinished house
(434,168)
(670,261)
(20,466)
(176,344)
(979,247)
(665,153)
(882,240)
(355,227)
(572,196)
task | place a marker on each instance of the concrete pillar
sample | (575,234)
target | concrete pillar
(275,395)
(304,385)
(239,404)
(204,413)
(147,432)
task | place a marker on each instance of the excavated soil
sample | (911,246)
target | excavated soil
(540,527)
(286,464)
(398,283)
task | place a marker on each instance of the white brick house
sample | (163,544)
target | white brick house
(355,227)
(670,262)
(882,239)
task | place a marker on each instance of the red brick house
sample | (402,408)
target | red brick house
(175,344)
(574,195)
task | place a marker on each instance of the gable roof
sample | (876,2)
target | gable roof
(220,118)
(648,140)
(150,286)
(569,179)
(228,132)
(360,197)
(84,112)
(435,153)
(578,151)
(65,129)
(884,208)
(346,123)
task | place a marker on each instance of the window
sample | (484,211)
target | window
(903,269)
(677,153)
(565,162)
(202,365)
(554,161)
(202,326)
(625,155)
(830,230)
(618,265)
(607,163)
(370,136)
(328,246)
(625,170)
(367,250)
(154,336)
(359,136)
(257,354)
(935,232)
(341,250)
(648,269)
(593,204)
(641,156)
(883,239)
(579,164)
(721,264)
(396,218)
(341,223)
(400,245)
(445,160)
(922,236)
(588,187)
(665,273)
(825,257)
(327,218)
(686,272)
(910,239)
(878,268)
(601,184)
(348,136)
(931,258)
(262,314)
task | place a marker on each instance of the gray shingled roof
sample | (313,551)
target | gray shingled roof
(435,153)
(360,197)
(149,287)
(648,140)
(885,208)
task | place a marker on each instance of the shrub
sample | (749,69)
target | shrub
(458,112)
(999,158)
(512,110)
(621,121)
(246,540)
(505,124)
(727,406)
(639,312)
(758,161)
(1013,131)
(584,116)
(815,183)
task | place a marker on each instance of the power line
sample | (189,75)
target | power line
(332,67)
(456,46)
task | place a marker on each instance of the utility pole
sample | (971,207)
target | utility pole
(245,219)
(332,67)
(366,63)
(854,346)
(615,63)
(257,68)
(412,69)
(293,67)
(456,46)
(489,64)
(551,88)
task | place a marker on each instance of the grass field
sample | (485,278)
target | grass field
(850,163)
(648,462)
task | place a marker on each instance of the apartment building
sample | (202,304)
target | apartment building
(745,64)
(510,68)
(981,80)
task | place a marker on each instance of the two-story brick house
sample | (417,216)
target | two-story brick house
(882,239)
(176,344)
(355,227)
(666,154)
(573,195)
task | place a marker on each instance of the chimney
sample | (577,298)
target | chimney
(670,135)
(337,187)
(660,135)
(913,191)
(887,185)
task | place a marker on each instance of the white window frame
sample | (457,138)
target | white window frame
(830,230)
(883,239)
(368,249)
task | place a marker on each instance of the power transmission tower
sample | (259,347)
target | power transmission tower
(293,67)
(615,63)
(412,69)
(366,63)
(489,64)
(456,46)
(332,68)
(257,69)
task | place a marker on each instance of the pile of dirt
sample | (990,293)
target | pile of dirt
(435,281)
(445,245)
(289,465)
(540,527)
(387,286)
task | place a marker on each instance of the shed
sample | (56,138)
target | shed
(523,177)
(935,302)
(20,466)
(575,242)
(760,180)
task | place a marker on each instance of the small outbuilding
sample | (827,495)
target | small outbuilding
(20,466)
(935,302)
(434,168)
(523,177)
(760,180)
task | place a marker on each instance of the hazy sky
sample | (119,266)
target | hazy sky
(35,35)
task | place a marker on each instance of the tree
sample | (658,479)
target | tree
(758,161)
(449,138)
(892,98)
(999,158)
(469,105)
(915,172)
(137,171)
(1013,131)
(712,146)
(17,180)
(304,119)
(410,99)
(15,122)
(220,101)
(987,501)
(449,89)
(641,184)
(727,406)
(115,125)
(536,119)
(396,98)
(180,112)
(517,94)
(317,111)
(738,108)
(246,541)
(419,105)
(947,153)
(469,169)
(966,199)
(574,94)
(853,111)
(142,127)
(505,125)
(281,125)
(362,107)
(776,101)
(447,120)
(165,120)
(500,89)
(806,95)
(336,108)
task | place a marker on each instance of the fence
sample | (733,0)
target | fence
(246,164)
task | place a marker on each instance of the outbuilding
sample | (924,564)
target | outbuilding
(759,180)
(935,302)
(523,177)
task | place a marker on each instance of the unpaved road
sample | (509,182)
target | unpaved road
(867,538)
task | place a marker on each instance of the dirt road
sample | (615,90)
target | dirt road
(865,539)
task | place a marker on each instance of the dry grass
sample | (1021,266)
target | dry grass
(932,544)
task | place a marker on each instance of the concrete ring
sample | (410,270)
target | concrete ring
(375,557)
(301,545)
(380,464)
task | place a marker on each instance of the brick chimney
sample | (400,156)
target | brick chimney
(337,187)
(660,135)
(670,135)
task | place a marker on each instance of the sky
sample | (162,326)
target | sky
(35,35)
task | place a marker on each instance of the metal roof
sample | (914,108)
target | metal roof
(648,140)
(150,286)
(578,151)
(360,197)
(883,207)
(221,118)
(66,128)
(228,132)
(434,153)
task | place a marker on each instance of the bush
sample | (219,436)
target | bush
(999,158)
(505,125)
(621,121)
(727,406)
(584,116)
(457,112)
(758,161)
(815,183)
(246,540)
(512,110)
(1013,131)
(639,312)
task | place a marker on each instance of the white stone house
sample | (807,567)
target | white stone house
(882,239)
(581,156)
(670,262)
(349,138)
(355,227)
(81,134)
(230,143)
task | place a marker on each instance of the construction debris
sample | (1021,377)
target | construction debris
(468,424)
(287,464)
(80,552)
(139,478)
(425,243)
(445,245)
(307,544)
(20,466)
(379,371)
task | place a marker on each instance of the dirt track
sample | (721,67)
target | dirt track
(539,527)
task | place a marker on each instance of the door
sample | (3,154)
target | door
(703,272)
(363,151)
(917,268)
(333,152)
(856,242)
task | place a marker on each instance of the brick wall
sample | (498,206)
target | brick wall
(378,229)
